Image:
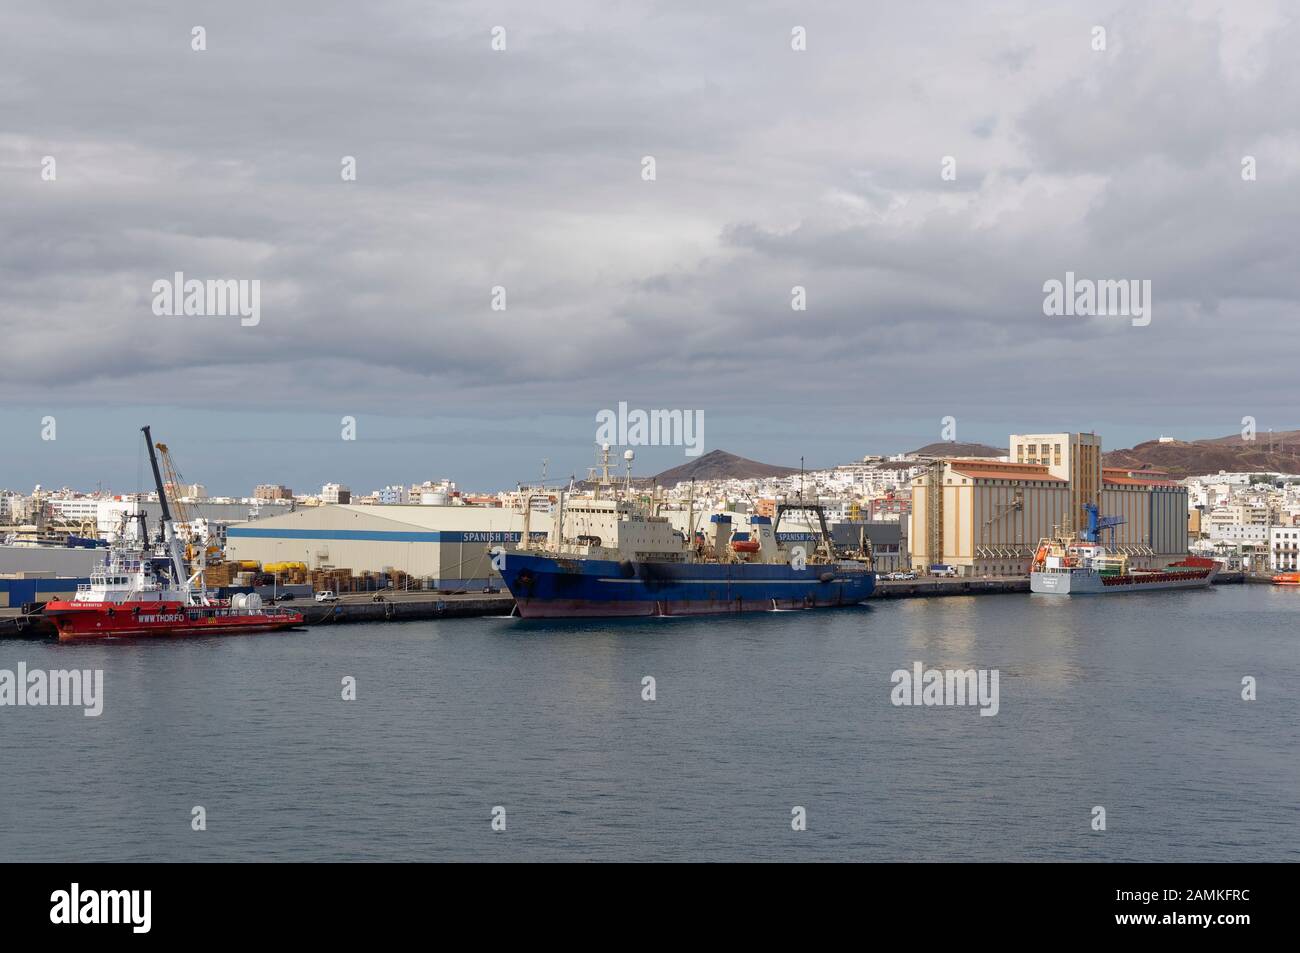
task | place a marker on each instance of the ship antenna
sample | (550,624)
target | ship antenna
(690,516)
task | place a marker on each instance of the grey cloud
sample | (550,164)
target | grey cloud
(522,169)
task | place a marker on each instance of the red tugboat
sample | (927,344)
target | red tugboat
(139,592)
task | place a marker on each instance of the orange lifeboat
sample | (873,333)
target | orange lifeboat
(1287,579)
(744,545)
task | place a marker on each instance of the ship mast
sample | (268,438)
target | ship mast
(169,528)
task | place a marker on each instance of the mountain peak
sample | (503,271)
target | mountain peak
(951,448)
(720,465)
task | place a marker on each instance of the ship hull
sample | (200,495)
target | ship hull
(559,587)
(76,621)
(1087,582)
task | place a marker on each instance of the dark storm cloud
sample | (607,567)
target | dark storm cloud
(775,169)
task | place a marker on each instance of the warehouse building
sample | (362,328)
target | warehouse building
(1154,530)
(447,545)
(23,588)
(986,517)
(72,561)
(887,539)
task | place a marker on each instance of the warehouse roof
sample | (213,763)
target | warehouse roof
(1122,477)
(348,517)
(996,470)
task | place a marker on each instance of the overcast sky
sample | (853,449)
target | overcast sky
(523,168)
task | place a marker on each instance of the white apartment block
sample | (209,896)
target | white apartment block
(73,509)
(1239,514)
(1284,548)
(1253,533)
(391,495)
(335,493)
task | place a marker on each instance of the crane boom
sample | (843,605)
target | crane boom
(173,479)
(169,527)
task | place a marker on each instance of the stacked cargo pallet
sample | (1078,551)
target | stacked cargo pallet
(221,574)
(336,580)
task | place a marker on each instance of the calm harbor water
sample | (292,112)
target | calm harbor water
(1132,703)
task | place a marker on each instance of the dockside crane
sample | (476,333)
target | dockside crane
(1098,523)
(173,479)
(170,537)
(196,546)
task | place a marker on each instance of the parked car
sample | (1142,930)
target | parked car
(285,597)
(327,595)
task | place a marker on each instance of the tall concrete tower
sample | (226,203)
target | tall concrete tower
(1075,457)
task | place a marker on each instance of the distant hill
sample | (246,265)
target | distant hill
(1278,451)
(720,465)
(955,449)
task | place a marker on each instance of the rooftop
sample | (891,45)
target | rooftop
(995,470)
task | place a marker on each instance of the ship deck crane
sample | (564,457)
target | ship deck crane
(1097,523)
(170,537)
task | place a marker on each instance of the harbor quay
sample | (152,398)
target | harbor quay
(417,605)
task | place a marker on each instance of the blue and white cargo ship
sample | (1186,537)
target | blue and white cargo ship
(612,554)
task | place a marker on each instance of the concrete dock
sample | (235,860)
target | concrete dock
(402,607)
(932,586)
(14,624)
(926,586)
